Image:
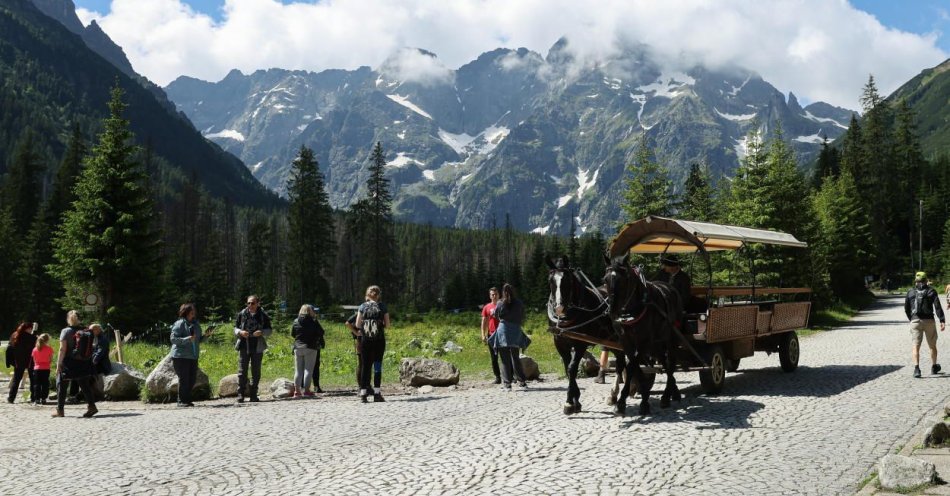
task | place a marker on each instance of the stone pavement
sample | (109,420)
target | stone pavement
(819,430)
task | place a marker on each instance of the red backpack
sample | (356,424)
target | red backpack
(82,345)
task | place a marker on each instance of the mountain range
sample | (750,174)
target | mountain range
(537,139)
(57,74)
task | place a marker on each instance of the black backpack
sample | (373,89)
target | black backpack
(82,345)
(372,321)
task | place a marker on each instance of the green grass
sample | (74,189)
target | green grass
(424,336)
(835,315)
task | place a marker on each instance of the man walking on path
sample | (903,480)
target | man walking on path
(920,305)
(489,326)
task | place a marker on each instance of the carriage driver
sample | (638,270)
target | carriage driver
(674,276)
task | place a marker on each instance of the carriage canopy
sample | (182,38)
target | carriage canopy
(661,235)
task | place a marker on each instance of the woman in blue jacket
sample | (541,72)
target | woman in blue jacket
(186,340)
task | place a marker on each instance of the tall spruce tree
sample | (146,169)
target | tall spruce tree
(108,241)
(22,184)
(844,237)
(828,164)
(310,224)
(373,221)
(698,202)
(648,188)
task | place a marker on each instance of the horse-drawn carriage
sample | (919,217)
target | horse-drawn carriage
(716,327)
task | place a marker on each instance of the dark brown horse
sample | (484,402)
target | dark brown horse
(574,304)
(645,315)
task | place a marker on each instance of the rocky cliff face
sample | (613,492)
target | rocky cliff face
(540,138)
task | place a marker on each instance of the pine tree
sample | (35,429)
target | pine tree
(698,202)
(108,242)
(22,185)
(374,224)
(257,278)
(649,190)
(844,240)
(310,221)
(10,275)
(828,164)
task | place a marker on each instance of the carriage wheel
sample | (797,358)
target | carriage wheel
(732,365)
(712,379)
(788,352)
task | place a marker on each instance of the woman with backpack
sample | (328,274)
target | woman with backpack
(74,363)
(509,339)
(19,356)
(308,334)
(186,347)
(372,319)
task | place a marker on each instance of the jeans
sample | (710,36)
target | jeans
(494,361)
(510,357)
(18,373)
(372,352)
(305,358)
(187,371)
(85,385)
(254,359)
(39,389)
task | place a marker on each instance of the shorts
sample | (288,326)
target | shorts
(921,328)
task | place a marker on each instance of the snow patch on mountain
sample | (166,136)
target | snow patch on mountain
(816,138)
(457,142)
(402,160)
(815,118)
(585,181)
(541,230)
(741,147)
(736,89)
(669,85)
(404,101)
(564,200)
(429,175)
(492,137)
(257,166)
(227,133)
(735,117)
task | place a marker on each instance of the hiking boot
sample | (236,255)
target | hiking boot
(363,399)
(378,398)
(601,378)
(523,385)
(92,410)
(917,371)
(498,380)
(58,413)
(935,369)
(11,400)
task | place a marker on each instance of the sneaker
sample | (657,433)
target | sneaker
(935,369)
(498,380)
(181,405)
(917,371)
(601,378)
(319,390)
(58,413)
(523,385)
(378,398)
(90,412)
(189,404)
(506,387)
(11,400)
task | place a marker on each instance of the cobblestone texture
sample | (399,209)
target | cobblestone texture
(816,431)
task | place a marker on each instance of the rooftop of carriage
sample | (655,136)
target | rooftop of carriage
(663,235)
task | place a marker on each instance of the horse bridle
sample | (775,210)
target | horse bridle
(585,283)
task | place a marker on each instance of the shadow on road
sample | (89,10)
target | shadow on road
(869,323)
(817,382)
(732,414)
(117,415)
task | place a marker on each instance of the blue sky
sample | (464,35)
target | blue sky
(915,16)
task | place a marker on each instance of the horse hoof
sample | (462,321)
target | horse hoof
(568,409)
(644,408)
(664,402)
(577,408)
(611,400)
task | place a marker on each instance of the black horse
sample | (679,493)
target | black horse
(574,304)
(654,311)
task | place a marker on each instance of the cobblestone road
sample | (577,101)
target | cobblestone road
(817,431)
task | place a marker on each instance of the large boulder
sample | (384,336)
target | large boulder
(418,372)
(228,386)
(937,435)
(530,368)
(161,386)
(899,472)
(122,383)
(282,388)
(590,365)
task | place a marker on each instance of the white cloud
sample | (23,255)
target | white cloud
(410,64)
(821,49)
